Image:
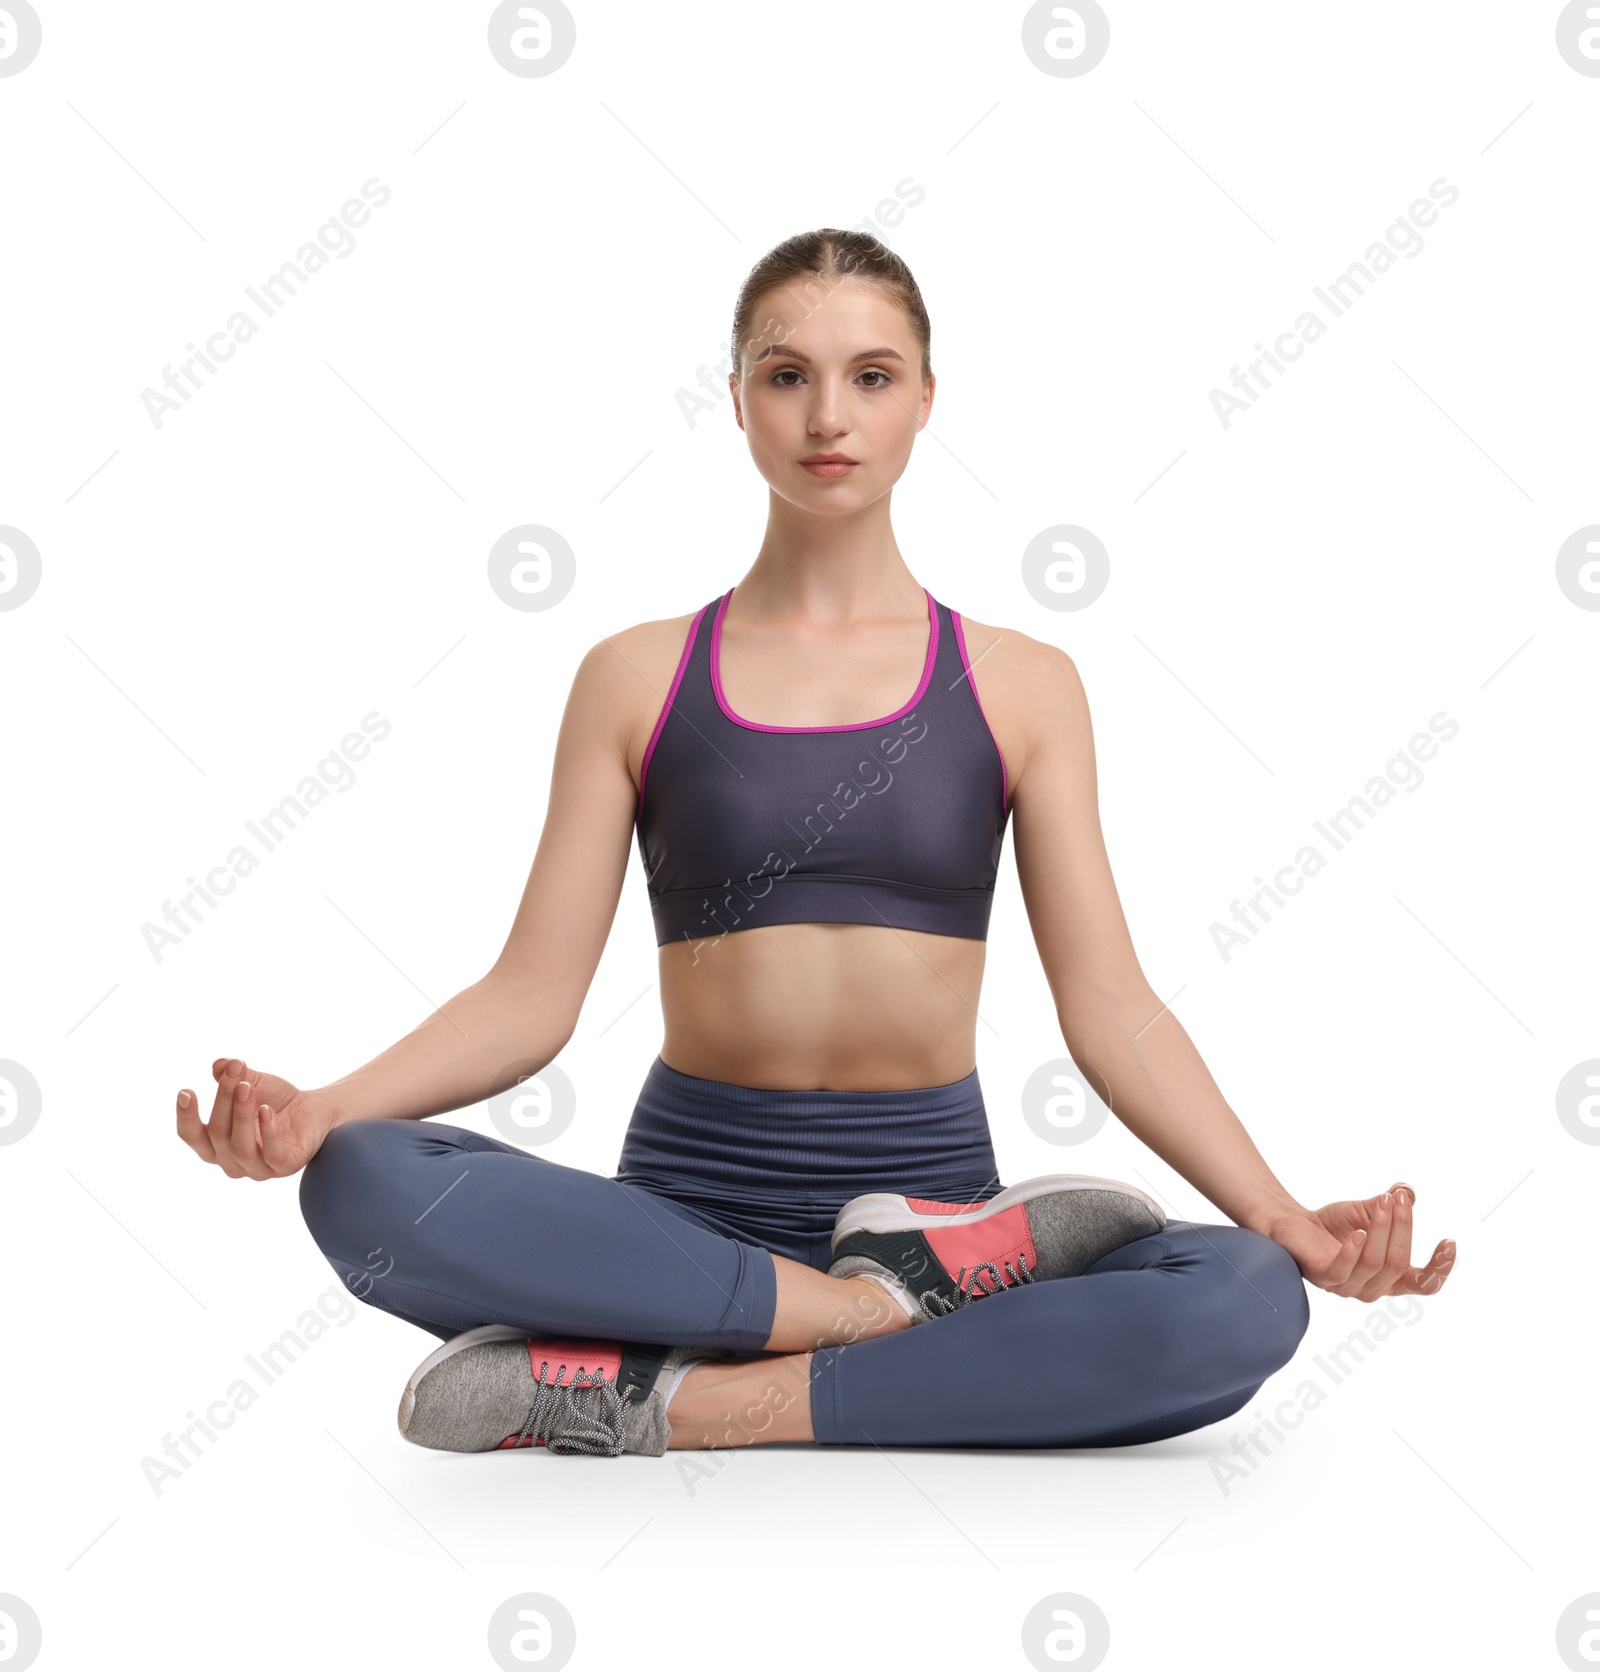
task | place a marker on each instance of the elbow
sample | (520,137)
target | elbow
(1097,1023)
(551,1031)
(541,1018)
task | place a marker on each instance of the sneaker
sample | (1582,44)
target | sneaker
(498,1388)
(933,1257)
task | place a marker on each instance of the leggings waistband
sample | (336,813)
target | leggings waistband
(832,1144)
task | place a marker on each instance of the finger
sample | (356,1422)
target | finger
(192,1129)
(1397,1262)
(1367,1278)
(246,1139)
(1336,1273)
(277,1150)
(1430,1279)
(228,1078)
(223,1115)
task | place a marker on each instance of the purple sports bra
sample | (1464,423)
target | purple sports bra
(897,821)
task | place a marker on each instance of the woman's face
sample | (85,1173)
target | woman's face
(831,371)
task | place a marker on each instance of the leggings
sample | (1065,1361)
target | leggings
(449,1229)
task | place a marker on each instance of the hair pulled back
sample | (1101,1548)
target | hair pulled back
(817,262)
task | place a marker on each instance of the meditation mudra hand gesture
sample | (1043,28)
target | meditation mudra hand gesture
(1362,1248)
(260,1126)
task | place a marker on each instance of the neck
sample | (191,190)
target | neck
(830,568)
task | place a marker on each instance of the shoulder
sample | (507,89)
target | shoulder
(1031,696)
(624,676)
(648,652)
(1020,671)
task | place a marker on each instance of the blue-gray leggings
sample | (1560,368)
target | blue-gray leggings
(449,1229)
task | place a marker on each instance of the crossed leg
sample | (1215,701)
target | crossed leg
(449,1229)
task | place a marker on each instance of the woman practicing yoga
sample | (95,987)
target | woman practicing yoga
(806,1238)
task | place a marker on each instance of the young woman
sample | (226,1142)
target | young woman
(806,1238)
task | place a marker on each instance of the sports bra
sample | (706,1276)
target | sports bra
(897,821)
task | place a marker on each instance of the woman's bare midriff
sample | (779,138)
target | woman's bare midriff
(822,1006)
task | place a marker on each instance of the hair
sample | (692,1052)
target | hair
(830,256)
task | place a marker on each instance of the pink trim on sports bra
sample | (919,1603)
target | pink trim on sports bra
(855,725)
(961,642)
(666,707)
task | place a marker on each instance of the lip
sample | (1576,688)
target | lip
(829,464)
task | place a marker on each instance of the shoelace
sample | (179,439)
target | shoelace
(571,1424)
(969,1289)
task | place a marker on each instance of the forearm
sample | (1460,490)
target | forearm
(1140,1060)
(483,1040)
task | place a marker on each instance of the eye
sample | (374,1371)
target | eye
(883,377)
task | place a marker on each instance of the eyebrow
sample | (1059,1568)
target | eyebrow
(795,354)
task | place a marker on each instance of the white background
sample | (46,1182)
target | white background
(223,598)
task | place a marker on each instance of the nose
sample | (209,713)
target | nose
(827,418)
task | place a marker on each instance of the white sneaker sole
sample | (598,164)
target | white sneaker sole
(884,1212)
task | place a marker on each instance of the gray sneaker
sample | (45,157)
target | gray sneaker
(936,1256)
(498,1388)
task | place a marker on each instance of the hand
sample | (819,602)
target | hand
(261,1127)
(1362,1248)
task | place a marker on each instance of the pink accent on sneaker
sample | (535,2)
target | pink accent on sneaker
(941,1207)
(1003,1236)
(573,1362)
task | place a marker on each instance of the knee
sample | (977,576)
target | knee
(1262,1309)
(349,1174)
(1279,1324)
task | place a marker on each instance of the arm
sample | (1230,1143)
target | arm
(1131,1047)
(518,1017)
(512,1021)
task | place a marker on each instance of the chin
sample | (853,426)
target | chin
(836,504)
